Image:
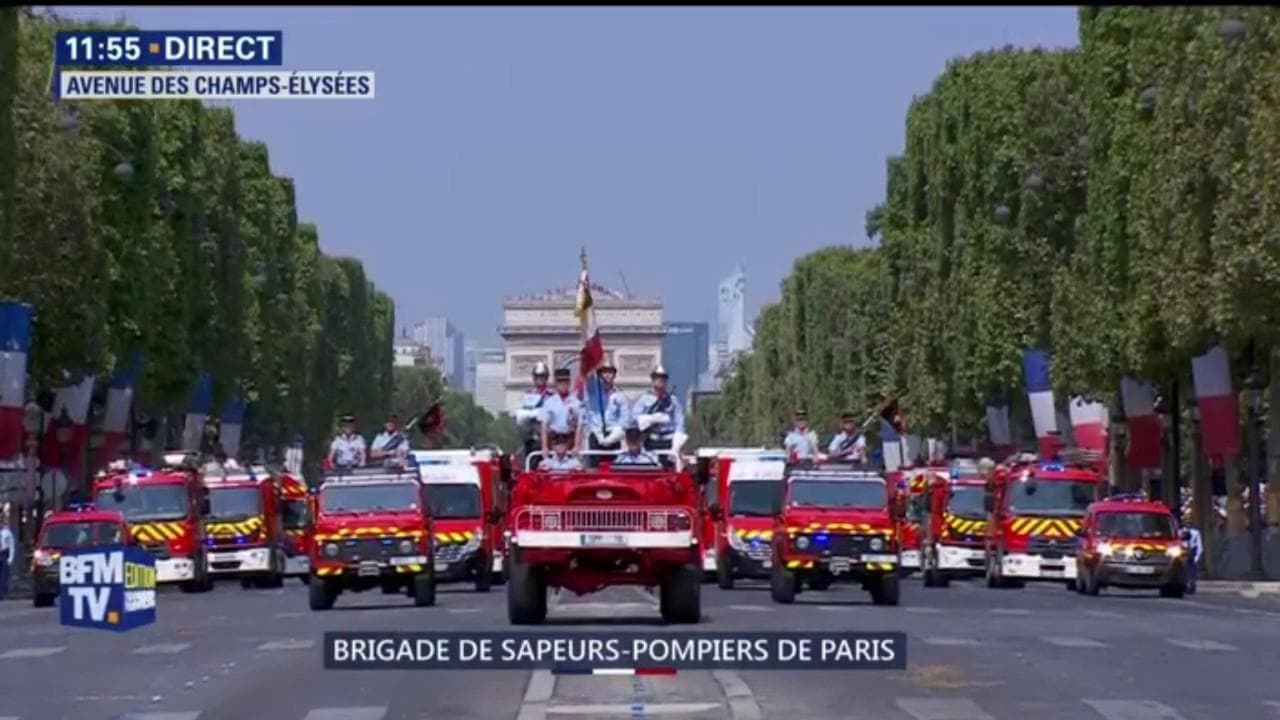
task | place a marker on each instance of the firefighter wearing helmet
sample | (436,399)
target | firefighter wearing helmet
(530,415)
(658,414)
(610,413)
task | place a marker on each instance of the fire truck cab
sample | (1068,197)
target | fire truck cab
(836,522)
(914,484)
(295,519)
(1131,542)
(165,509)
(463,489)
(71,529)
(749,483)
(1036,508)
(585,530)
(954,526)
(243,530)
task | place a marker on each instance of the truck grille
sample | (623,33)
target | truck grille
(159,551)
(844,545)
(370,549)
(604,519)
(1051,547)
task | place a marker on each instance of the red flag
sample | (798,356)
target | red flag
(592,355)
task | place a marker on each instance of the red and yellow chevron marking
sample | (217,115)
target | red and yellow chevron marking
(754,534)
(328,571)
(965,526)
(454,538)
(882,566)
(350,533)
(225,529)
(1144,547)
(157,532)
(860,528)
(920,483)
(296,532)
(1048,527)
(801,564)
(407,569)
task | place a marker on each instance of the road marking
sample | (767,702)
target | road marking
(189,715)
(603,609)
(542,685)
(1073,642)
(1203,645)
(288,614)
(751,608)
(835,608)
(1104,614)
(291,644)
(1009,611)
(351,713)
(31,652)
(923,610)
(949,641)
(463,611)
(1133,710)
(22,613)
(161,649)
(742,701)
(630,710)
(1273,704)
(942,709)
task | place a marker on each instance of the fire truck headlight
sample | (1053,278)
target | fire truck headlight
(877,544)
(331,550)
(802,542)
(406,546)
(1173,551)
(43,559)
(1105,549)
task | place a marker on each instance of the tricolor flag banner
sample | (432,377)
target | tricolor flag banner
(998,430)
(1219,422)
(232,425)
(197,413)
(1035,365)
(912,450)
(70,404)
(891,446)
(294,455)
(15,347)
(1089,425)
(592,347)
(1145,448)
(115,423)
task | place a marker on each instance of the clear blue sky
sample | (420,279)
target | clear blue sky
(672,143)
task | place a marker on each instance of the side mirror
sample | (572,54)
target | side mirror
(704,471)
(204,505)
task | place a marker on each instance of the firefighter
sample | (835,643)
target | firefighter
(1195,548)
(609,426)
(390,445)
(634,453)
(560,459)
(347,449)
(658,414)
(562,412)
(529,416)
(802,442)
(849,443)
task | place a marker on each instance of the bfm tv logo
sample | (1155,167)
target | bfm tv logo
(108,588)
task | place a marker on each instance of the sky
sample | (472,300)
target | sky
(671,143)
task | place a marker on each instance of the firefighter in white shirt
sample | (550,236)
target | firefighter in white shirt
(390,445)
(347,449)
(802,442)
(530,415)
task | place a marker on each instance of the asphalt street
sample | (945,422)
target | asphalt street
(1039,652)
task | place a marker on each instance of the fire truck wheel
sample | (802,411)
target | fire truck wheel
(484,574)
(424,590)
(43,599)
(1173,590)
(526,594)
(884,591)
(782,585)
(724,572)
(320,594)
(680,596)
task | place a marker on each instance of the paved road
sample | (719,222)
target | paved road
(1040,653)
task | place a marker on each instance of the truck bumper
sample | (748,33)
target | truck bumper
(743,565)
(458,570)
(179,569)
(709,560)
(961,559)
(1024,566)
(231,562)
(910,559)
(1134,575)
(297,565)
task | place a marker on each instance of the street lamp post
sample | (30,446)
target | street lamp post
(1252,402)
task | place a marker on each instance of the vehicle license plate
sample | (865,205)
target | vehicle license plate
(604,539)
(1142,570)
(370,569)
(840,565)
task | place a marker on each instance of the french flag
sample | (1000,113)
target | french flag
(15,346)
(1219,422)
(998,430)
(891,445)
(201,397)
(1089,425)
(1035,365)
(1145,447)
(115,423)
(232,425)
(592,346)
(72,401)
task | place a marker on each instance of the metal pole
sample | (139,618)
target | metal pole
(1173,479)
(1255,488)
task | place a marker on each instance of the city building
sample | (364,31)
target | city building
(446,345)
(685,355)
(733,332)
(490,390)
(469,368)
(543,328)
(409,353)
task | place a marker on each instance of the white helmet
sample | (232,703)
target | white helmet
(540,370)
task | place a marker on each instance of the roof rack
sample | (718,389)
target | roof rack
(1129,497)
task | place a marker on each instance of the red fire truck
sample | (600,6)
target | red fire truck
(1131,542)
(165,508)
(243,529)
(464,489)
(1036,507)
(295,518)
(749,483)
(914,484)
(71,529)
(955,525)
(585,530)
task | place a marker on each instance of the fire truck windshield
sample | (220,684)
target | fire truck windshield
(966,502)
(293,514)
(369,498)
(453,500)
(753,498)
(146,502)
(69,535)
(1050,497)
(234,503)
(837,494)
(1135,525)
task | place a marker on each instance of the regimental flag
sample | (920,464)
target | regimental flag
(197,412)
(1089,425)
(71,403)
(892,414)
(1219,419)
(15,347)
(592,355)
(231,426)
(998,430)
(294,455)
(1035,365)
(115,422)
(1144,426)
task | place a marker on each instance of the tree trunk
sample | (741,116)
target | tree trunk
(1237,519)
(1202,514)
(1273,443)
